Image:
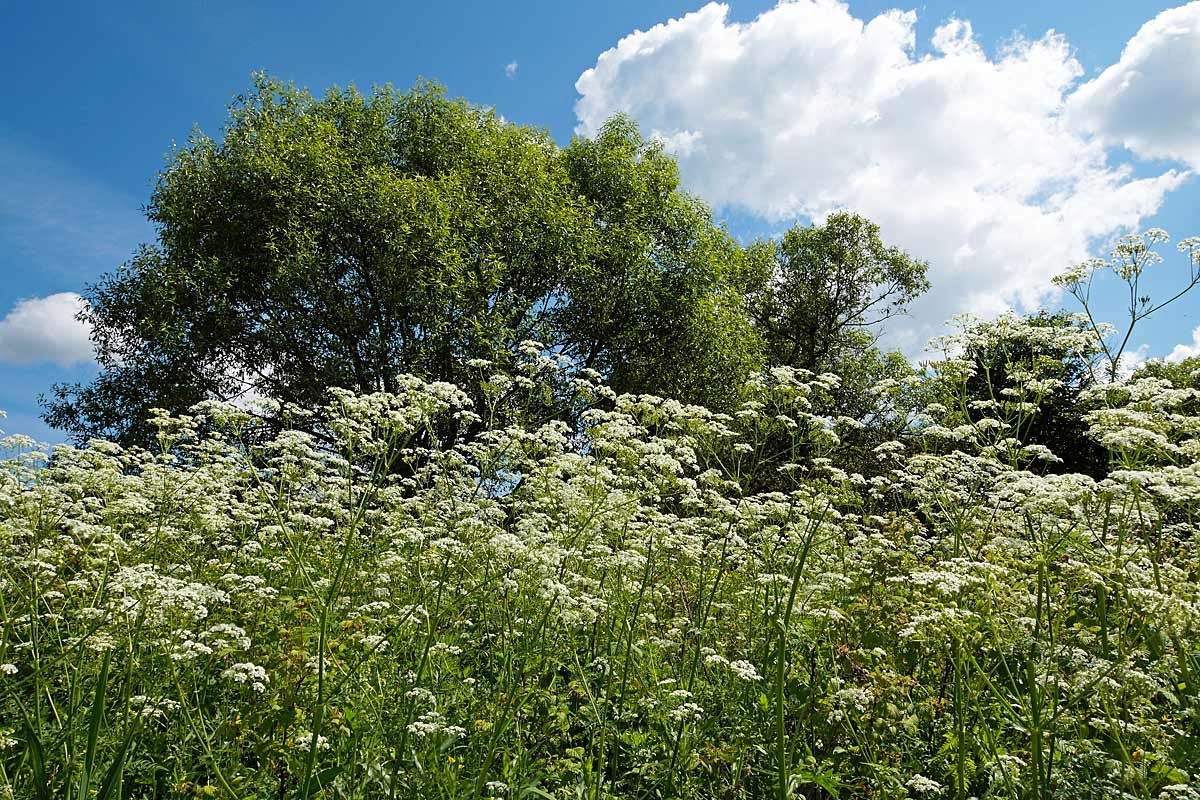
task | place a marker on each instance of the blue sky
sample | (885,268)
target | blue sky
(98,93)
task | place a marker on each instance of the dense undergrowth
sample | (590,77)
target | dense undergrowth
(655,601)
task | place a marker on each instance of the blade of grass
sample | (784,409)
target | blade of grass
(114,778)
(95,719)
(37,758)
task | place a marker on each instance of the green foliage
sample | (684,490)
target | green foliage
(659,307)
(1184,374)
(605,610)
(343,240)
(830,283)
(472,554)
(1034,373)
(818,305)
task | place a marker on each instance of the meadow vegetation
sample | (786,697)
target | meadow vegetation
(973,578)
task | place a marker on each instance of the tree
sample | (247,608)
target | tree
(660,307)
(831,283)
(826,290)
(344,240)
(1183,374)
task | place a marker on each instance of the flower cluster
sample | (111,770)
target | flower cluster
(648,599)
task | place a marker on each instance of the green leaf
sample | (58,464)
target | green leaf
(110,789)
(37,759)
(321,780)
(96,717)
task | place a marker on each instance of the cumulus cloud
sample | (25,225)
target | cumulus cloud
(44,329)
(1185,351)
(1149,101)
(966,159)
(510,69)
(1133,360)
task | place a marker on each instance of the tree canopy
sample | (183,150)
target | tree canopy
(341,241)
(831,283)
(660,305)
(344,240)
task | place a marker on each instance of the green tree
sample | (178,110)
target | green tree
(827,288)
(660,306)
(1183,374)
(341,241)
(831,284)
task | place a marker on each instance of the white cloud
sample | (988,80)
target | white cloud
(680,143)
(510,69)
(43,329)
(1149,101)
(1183,351)
(964,158)
(1133,360)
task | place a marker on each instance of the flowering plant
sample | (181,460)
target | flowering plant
(651,601)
